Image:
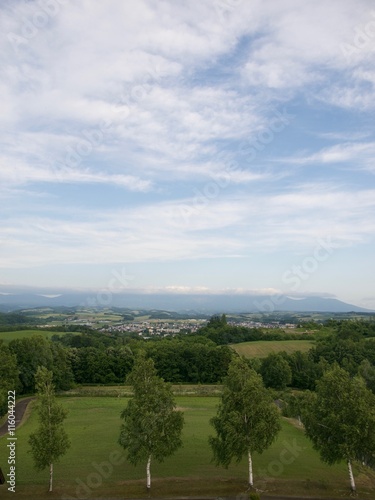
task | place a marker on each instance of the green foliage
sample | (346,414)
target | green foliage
(347,353)
(340,418)
(15,319)
(305,372)
(35,351)
(50,441)
(31,353)
(92,365)
(276,371)
(367,371)
(254,496)
(191,362)
(222,333)
(8,376)
(186,359)
(217,321)
(247,420)
(203,358)
(87,338)
(63,377)
(310,325)
(296,405)
(152,427)
(350,330)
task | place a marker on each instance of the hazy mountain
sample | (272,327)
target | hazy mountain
(205,303)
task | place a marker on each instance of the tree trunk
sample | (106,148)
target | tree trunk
(148,473)
(250,469)
(352,483)
(50,476)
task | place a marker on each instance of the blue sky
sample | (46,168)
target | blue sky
(221,145)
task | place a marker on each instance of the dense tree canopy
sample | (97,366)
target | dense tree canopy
(31,352)
(276,371)
(192,362)
(8,376)
(93,357)
(347,353)
(305,372)
(35,351)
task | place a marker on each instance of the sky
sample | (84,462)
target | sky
(185,146)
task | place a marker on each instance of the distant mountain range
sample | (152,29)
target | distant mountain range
(204,303)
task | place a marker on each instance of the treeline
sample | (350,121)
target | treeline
(98,359)
(351,346)
(15,321)
(221,333)
(91,357)
(353,328)
(356,355)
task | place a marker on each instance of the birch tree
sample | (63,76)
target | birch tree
(247,419)
(340,420)
(152,427)
(50,440)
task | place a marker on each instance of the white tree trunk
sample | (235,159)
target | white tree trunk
(250,469)
(148,473)
(50,476)
(352,483)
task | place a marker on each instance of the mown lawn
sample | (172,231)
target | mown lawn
(262,348)
(290,465)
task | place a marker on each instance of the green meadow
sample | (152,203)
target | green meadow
(20,334)
(262,348)
(95,465)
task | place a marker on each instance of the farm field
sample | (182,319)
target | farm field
(262,348)
(8,336)
(289,466)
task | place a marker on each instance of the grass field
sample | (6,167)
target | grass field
(8,336)
(126,390)
(95,465)
(262,348)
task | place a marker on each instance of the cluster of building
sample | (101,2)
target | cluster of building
(162,328)
(260,324)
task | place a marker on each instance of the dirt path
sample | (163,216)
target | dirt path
(20,411)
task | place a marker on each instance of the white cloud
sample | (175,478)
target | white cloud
(168,99)
(135,70)
(175,231)
(352,155)
(22,173)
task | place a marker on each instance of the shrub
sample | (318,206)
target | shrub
(254,496)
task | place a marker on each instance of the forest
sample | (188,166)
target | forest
(91,357)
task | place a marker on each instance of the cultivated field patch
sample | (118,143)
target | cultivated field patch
(262,348)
